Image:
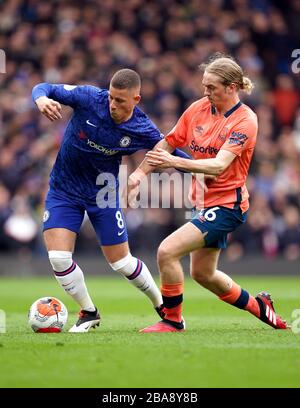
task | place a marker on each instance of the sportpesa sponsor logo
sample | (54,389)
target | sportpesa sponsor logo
(101,149)
(209,149)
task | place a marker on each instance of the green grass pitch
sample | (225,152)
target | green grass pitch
(222,347)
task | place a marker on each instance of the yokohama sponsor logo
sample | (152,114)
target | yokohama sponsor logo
(102,149)
(209,149)
(109,152)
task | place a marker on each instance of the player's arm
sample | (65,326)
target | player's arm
(214,166)
(242,137)
(178,140)
(180,153)
(145,168)
(49,97)
(135,178)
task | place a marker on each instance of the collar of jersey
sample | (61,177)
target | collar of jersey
(229,112)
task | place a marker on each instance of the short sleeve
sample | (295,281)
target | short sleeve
(177,137)
(242,137)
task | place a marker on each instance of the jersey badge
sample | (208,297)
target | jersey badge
(125,141)
(223,134)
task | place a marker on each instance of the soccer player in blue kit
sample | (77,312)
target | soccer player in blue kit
(105,125)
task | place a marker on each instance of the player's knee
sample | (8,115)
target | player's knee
(60,260)
(164,254)
(126,266)
(201,276)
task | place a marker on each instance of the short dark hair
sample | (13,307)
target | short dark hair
(126,79)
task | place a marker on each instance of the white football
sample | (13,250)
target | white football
(47,315)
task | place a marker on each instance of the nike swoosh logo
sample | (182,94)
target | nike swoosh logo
(67,283)
(89,123)
(120,233)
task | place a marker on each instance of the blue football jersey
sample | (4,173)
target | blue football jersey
(93,143)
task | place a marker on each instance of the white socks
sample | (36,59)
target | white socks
(71,278)
(139,275)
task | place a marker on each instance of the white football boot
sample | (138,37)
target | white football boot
(86,321)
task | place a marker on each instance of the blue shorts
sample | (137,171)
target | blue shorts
(63,212)
(217,222)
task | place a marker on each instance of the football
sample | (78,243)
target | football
(47,315)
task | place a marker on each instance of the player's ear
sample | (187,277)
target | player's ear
(137,99)
(233,87)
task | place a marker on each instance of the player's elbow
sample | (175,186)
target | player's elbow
(216,172)
(39,85)
(219,168)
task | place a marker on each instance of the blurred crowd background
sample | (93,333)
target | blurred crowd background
(79,42)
